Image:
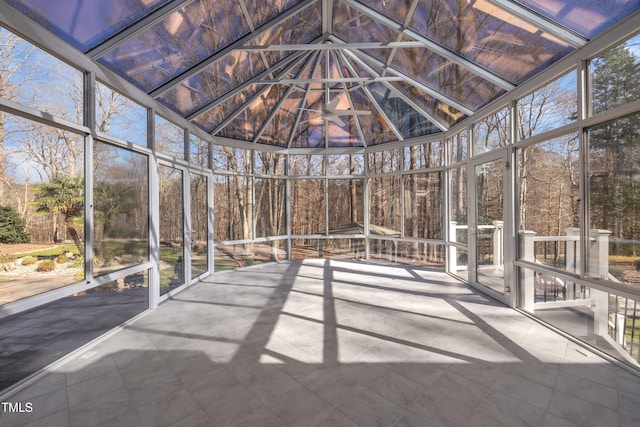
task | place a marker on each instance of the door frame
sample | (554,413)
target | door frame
(186,225)
(508,241)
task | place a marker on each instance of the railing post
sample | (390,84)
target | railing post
(599,254)
(620,320)
(453,251)
(498,246)
(572,259)
(599,267)
(527,276)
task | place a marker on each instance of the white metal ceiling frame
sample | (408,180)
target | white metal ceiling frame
(443,127)
(362,57)
(348,96)
(44,39)
(292,62)
(372,99)
(400,36)
(202,65)
(542,22)
(274,111)
(287,62)
(431,45)
(303,103)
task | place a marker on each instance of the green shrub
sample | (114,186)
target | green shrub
(617,272)
(12,226)
(62,259)
(130,247)
(46,265)
(7,258)
(29,260)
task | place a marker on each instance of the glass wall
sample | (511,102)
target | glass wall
(75,192)
(578,196)
(172,268)
(121,208)
(549,200)
(42,193)
(308,206)
(614,201)
(120,117)
(199,224)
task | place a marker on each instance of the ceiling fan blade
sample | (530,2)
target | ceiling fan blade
(335,119)
(352,112)
(331,107)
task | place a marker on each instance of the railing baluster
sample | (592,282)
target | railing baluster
(633,330)
(624,325)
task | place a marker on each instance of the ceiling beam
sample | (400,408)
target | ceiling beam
(431,45)
(331,80)
(334,46)
(273,113)
(347,94)
(359,55)
(373,101)
(290,61)
(442,126)
(202,65)
(327,16)
(303,104)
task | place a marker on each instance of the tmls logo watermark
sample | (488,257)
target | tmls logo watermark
(18,407)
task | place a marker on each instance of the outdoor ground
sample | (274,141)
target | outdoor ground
(19,248)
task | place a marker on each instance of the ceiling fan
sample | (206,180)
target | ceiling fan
(331,113)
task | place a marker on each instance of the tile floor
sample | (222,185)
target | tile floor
(330,343)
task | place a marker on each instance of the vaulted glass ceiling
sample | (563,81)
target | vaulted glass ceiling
(326,73)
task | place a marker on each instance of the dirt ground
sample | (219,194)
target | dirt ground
(18,248)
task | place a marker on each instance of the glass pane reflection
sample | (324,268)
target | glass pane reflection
(407,120)
(172,266)
(489,36)
(121,200)
(587,17)
(178,42)
(85,24)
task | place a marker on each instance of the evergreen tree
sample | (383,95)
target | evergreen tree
(614,147)
(12,226)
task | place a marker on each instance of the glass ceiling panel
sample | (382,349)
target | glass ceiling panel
(485,34)
(240,128)
(260,11)
(246,125)
(343,136)
(446,77)
(353,27)
(278,130)
(374,127)
(310,132)
(439,110)
(408,121)
(85,24)
(396,9)
(224,75)
(586,17)
(212,118)
(178,42)
(301,28)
